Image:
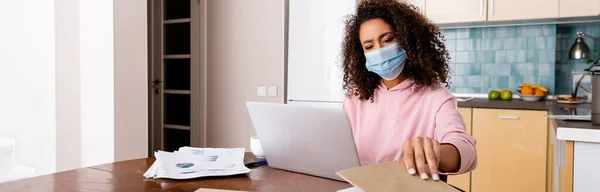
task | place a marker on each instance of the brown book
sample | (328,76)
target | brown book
(391,177)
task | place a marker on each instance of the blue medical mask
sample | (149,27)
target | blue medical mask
(387,61)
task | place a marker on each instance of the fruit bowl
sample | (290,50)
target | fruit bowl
(531,97)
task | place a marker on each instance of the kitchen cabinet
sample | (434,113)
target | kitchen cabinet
(463,181)
(512,150)
(502,10)
(579,8)
(455,11)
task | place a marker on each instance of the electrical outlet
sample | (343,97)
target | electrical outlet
(262,91)
(272,91)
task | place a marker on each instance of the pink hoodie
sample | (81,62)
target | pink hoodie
(400,114)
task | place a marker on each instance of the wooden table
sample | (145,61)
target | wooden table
(127,176)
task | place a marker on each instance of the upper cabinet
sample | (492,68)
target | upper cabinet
(503,10)
(420,4)
(456,11)
(579,8)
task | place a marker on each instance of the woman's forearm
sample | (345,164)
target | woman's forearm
(449,158)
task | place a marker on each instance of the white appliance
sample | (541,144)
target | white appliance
(315,34)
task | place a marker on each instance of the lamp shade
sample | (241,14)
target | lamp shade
(579,50)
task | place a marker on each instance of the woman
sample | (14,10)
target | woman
(394,65)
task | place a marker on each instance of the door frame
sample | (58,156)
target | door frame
(198,17)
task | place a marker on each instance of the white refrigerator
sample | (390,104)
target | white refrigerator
(314,65)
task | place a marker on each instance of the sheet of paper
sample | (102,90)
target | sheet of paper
(190,162)
(391,177)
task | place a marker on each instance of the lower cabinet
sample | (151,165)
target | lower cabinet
(512,150)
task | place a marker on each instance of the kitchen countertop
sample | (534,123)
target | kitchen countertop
(574,130)
(516,104)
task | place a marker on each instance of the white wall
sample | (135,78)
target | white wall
(131,79)
(245,49)
(67,66)
(27,74)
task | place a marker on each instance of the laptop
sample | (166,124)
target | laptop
(316,141)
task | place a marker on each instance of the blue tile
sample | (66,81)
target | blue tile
(470,45)
(475,90)
(542,56)
(475,33)
(462,57)
(463,90)
(460,81)
(502,69)
(485,82)
(500,57)
(511,56)
(534,31)
(522,31)
(550,42)
(461,45)
(452,71)
(462,33)
(472,57)
(520,56)
(521,43)
(531,56)
(486,44)
(475,69)
(477,44)
(480,57)
(487,32)
(549,30)
(450,45)
(487,69)
(449,33)
(500,82)
(515,81)
(517,69)
(498,43)
(474,81)
(509,43)
(550,55)
(530,79)
(452,90)
(463,69)
(545,69)
(452,57)
(540,43)
(531,43)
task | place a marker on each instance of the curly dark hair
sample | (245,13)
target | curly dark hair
(427,57)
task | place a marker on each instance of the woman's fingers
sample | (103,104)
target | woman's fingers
(431,157)
(408,158)
(420,160)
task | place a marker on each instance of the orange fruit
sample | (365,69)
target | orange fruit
(526,90)
(539,92)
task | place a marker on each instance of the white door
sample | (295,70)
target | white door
(502,10)
(579,8)
(315,34)
(455,11)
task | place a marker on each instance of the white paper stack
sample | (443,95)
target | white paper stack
(190,162)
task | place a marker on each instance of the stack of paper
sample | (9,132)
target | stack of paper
(190,162)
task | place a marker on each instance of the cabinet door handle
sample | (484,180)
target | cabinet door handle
(492,7)
(481,7)
(508,117)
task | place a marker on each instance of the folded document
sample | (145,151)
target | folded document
(191,162)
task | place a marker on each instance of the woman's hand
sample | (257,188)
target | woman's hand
(423,155)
